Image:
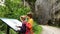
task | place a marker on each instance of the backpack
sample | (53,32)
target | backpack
(28,25)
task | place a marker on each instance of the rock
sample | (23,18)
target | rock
(46,9)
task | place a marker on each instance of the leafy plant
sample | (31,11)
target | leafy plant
(37,29)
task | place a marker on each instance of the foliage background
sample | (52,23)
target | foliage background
(14,9)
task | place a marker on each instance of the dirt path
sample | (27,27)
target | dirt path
(50,30)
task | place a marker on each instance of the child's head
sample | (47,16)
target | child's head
(29,15)
(22,18)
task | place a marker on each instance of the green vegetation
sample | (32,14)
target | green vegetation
(13,9)
(12,32)
(1,32)
(37,28)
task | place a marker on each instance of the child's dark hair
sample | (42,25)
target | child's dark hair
(29,15)
(23,18)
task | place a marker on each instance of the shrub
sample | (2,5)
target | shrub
(36,28)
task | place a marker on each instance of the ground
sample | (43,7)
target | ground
(50,30)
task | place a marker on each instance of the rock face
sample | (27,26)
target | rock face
(46,10)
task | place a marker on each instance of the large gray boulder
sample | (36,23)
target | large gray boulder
(46,10)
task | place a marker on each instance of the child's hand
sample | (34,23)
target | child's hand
(19,29)
(18,26)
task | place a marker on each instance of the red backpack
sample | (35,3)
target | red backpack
(28,25)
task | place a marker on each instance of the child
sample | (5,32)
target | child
(30,23)
(23,27)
